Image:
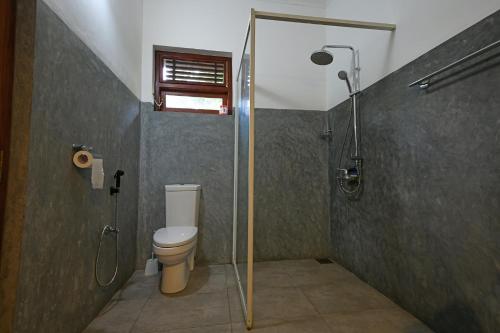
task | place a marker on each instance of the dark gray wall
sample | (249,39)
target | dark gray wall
(426,230)
(76,99)
(291,185)
(291,181)
(187,148)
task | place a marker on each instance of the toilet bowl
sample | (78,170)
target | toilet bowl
(175,248)
(175,244)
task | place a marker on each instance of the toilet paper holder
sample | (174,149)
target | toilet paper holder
(81,147)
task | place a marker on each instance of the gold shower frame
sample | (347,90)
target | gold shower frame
(247,302)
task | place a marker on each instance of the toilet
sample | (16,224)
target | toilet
(175,245)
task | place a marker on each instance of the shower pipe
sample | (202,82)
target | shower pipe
(349,179)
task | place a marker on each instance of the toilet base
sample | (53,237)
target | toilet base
(174,278)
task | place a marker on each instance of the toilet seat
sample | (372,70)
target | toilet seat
(174,236)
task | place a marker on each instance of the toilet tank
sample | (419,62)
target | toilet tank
(182,202)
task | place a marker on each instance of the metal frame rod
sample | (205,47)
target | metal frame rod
(422,81)
(324,21)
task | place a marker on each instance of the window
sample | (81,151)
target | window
(186,82)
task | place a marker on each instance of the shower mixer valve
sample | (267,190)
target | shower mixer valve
(351,175)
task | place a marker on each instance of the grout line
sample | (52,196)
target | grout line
(142,309)
(227,296)
(315,309)
(229,308)
(201,293)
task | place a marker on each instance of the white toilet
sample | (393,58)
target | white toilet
(175,245)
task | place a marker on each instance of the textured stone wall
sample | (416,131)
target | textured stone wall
(291,181)
(187,148)
(76,99)
(291,185)
(426,230)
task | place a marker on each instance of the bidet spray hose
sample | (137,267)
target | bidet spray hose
(108,229)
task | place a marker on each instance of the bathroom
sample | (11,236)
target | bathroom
(338,175)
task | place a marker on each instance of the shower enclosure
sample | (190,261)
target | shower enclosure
(243,206)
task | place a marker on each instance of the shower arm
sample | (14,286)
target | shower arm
(354,61)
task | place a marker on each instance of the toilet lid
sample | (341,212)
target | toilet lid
(174,236)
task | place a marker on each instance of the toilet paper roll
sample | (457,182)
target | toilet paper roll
(83,159)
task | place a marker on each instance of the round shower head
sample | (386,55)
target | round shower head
(322,57)
(342,75)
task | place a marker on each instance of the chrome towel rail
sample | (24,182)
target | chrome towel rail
(424,82)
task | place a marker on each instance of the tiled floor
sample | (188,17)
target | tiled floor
(290,296)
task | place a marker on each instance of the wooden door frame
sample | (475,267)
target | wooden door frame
(17,180)
(7,39)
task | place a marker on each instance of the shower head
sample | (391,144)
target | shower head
(343,76)
(322,57)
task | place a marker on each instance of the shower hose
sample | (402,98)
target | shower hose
(340,181)
(106,230)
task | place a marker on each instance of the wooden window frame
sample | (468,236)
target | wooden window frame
(196,89)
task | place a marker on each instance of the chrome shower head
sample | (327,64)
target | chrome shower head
(343,76)
(322,57)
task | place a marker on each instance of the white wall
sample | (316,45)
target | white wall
(122,33)
(285,78)
(112,29)
(421,26)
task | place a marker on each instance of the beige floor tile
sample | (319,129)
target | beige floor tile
(281,304)
(226,328)
(139,277)
(318,274)
(406,322)
(235,306)
(230,277)
(117,317)
(272,305)
(207,329)
(270,276)
(183,311)
(138,288)
(375,321)
(291,265)
(289,297)
(204,279)
(370,321)
(345,295)
(307,325)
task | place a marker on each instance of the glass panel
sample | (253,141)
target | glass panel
(242,113)
(193,102)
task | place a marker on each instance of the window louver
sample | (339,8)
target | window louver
(194,71)
(190,82)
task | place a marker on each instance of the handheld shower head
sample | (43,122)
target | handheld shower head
(343,76)
(322,57)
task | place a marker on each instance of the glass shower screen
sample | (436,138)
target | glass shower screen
(243,180)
